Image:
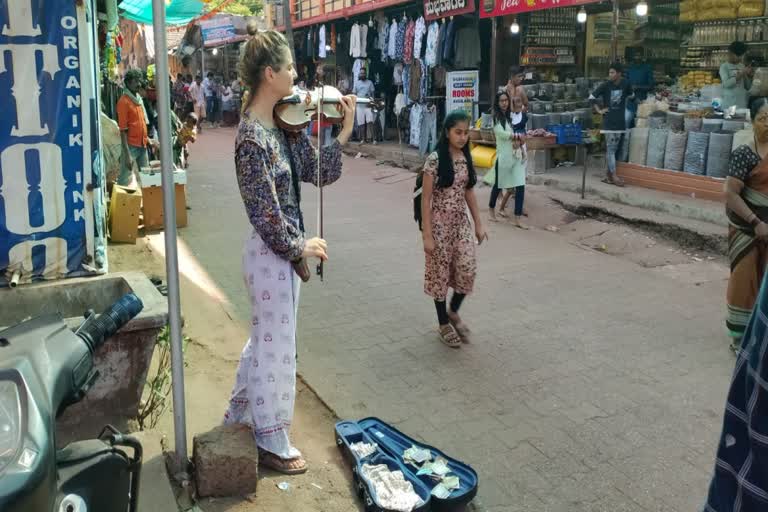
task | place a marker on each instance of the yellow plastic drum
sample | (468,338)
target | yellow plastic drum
(483,156)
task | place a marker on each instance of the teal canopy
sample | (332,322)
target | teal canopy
(178,12)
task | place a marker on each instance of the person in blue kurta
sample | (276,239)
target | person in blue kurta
(509,169)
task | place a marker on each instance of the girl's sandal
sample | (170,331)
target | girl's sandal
(462,330)
(275,463)
(504,214)
(449,337)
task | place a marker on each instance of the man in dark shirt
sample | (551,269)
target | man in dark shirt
(610,100)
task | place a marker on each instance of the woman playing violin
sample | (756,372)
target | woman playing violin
(269,164)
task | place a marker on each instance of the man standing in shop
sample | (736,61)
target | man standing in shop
(610,100)
(364,89)
(640,77)
(197,93)
(736,77)
(132,120)
(209,87)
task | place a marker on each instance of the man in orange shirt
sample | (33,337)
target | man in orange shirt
(132,120)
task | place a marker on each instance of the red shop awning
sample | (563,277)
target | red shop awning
(491,8)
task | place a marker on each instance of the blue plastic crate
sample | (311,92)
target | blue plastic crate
(566,133)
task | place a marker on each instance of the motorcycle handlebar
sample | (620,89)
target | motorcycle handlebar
(95,332)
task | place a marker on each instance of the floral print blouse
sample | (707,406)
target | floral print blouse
(263,168)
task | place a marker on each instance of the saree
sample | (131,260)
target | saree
(740,479)
(748,256)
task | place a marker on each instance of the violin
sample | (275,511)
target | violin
(295,112)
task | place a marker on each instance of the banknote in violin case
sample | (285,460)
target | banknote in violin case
(442,483)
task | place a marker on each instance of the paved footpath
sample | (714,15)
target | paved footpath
(592,383)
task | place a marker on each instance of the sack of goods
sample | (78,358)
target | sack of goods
(759,83)
(751,9)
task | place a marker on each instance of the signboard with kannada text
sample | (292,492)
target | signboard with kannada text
(492,8)
(436,9)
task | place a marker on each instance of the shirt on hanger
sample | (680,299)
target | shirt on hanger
(410,31)
(321,42)
(392,40)
(467,54)
(414,85)
(401,38)
(354,42)
(363,40)
(430,56)
(397,75)
(440,44)
(448,48)
(418,37)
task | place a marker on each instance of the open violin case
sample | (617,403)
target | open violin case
(391,444)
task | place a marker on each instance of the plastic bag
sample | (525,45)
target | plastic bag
(759,83)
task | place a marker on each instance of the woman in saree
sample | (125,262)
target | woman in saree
(746,190)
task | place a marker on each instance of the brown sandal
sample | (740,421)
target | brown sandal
(461,329)
(275,463)
(449,337)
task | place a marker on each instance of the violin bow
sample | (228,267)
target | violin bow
(319,175)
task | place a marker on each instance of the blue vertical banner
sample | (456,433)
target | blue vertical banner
(49,142)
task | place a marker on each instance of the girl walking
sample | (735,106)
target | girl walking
(509,171)
(449,246)
(270,165)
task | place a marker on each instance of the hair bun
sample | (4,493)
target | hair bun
(252,27)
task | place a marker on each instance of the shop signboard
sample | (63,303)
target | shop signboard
(218,31)
(50,170)
(462,91)
(491,8)
(436,9)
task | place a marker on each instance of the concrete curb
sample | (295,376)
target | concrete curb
(630,197)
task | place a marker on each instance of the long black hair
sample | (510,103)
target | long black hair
(755,106)
(499,116)
(444,160)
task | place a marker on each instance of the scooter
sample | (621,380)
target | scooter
(44,368)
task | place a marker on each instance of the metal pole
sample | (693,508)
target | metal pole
(615,32)
(494,36)
(169,221)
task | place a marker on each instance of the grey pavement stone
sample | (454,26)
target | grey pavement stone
(587,372)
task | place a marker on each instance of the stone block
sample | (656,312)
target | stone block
(226,461)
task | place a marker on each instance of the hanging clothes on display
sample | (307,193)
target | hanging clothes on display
(397,75)
(438,77)
(423,81)
(416,112)
(383,29)
(448,48)
(418,38)
(355,51)
(363,40)
(392,40)
(467,47)
(440,43)
(310,46)
(414,81)
(406,83)
(321,52)
(430,56)
(333,37)
(410,31)
(400,45)
(428,130)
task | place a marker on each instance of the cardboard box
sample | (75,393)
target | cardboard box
(152,193)
(124,212)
